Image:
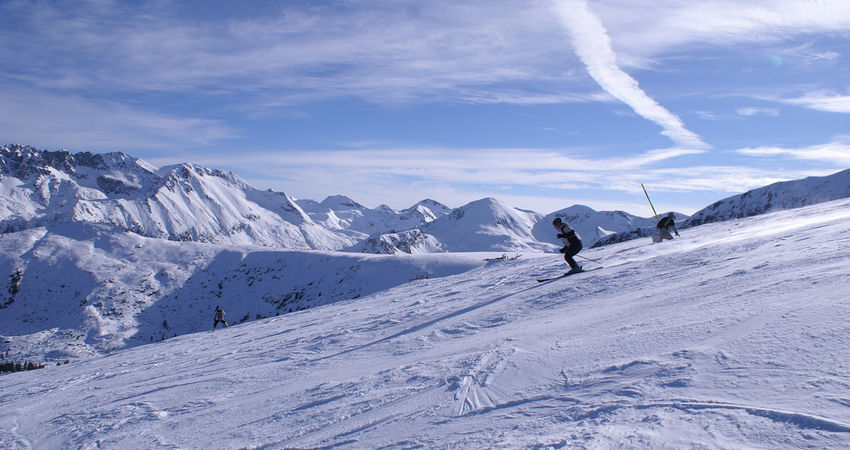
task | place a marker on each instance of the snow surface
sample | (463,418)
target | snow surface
(733,336)
(81,291)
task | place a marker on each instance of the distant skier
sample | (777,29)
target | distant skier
(572,243)
(665,225)
(219,317)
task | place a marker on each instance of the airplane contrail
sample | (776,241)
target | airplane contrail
(593,46)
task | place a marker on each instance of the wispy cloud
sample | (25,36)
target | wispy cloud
(493,52)
(593,46)
(377,51)
(380,51)
(70,121)
(837,153)
(823,101)
(757,111)
(469,165)
(401,177)
(669,26)
(806,56)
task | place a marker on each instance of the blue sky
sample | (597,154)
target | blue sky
(541,104)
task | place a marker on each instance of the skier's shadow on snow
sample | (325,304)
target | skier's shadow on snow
(427,324)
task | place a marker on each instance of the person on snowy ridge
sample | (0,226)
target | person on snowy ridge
(665,225)
(219,317)
(572,243)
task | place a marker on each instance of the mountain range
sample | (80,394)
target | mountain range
(776,197)
(100,252)
(187,202)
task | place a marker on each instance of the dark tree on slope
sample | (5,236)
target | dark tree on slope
(7,367)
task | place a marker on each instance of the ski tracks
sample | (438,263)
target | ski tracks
(641,395)
(12,439)
(474,390)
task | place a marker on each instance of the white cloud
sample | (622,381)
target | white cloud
(837,153)
(756,111)
(593,46)
(806,56)
(709,178)
(68,121)
(462,165)
(668,26)
(823,101)
(488,52)
(371,175)
(377,51)
(707,115)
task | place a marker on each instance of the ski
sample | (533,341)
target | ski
(541,280)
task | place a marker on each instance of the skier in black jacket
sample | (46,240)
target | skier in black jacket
(572,243)
(665,225)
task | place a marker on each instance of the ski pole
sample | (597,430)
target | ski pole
(589,259)
(650,202)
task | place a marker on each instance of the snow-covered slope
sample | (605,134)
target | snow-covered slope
(78,292)
(733,336)
(777,196)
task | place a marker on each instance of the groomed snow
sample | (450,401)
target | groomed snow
(733,336)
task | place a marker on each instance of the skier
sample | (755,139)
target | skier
(219,317)
(572,244)
(666,224)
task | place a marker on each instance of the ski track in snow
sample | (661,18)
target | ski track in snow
(735,335)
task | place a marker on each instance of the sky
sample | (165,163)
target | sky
(539,103)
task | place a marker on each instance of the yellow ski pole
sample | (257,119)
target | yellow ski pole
(650,203)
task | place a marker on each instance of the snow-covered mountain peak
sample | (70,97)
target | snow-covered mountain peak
(335,202)
(432,204)
(114,161)
(23,162)
(115,174)
(124,161)
(486,208)
(485,224)
(186,171)
(427,210)
(576,211)
(482,225)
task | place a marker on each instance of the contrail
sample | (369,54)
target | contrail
(593,46)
